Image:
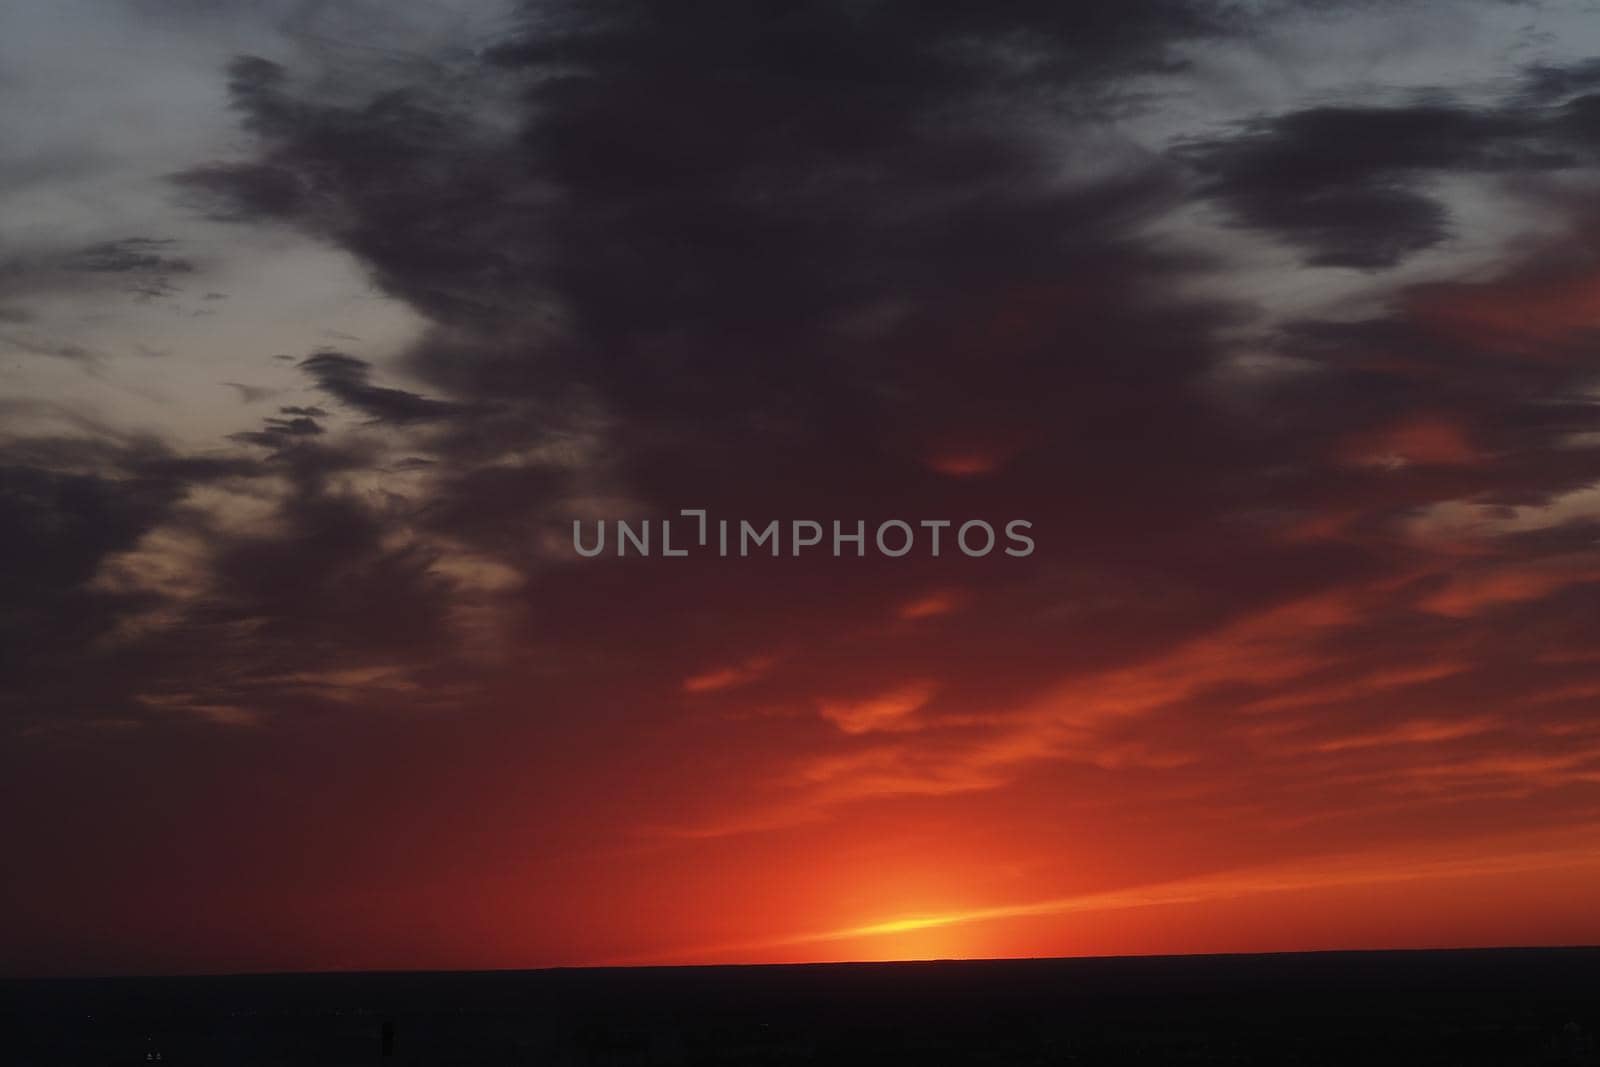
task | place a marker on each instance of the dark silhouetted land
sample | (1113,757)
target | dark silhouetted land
(1505,1006)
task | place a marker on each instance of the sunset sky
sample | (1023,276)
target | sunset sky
(321,321)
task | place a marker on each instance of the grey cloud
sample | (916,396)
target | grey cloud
(348,379)
(1350,185)
(277,433)
(1346,184)
(250,394)
(147,255)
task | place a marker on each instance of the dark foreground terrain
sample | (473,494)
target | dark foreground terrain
(1514,1006)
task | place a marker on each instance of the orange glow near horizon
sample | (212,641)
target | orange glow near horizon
(1440,882)
(1327,798)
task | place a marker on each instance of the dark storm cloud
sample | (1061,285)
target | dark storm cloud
(1344,184)
(694,144)
(1350,185)
(809,260)
(240,192)
(57,527)
(286,609)
(1546,84)
(327,583)
(801,258)
(699,206)
(790,258)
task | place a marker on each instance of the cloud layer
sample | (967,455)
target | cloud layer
(1298,393)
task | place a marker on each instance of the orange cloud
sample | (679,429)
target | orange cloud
(1414,732)
(886,711)
(1071,722)
(1363,686)
(1549,770)
(1423,440)
(967,462)
(927,607)
(1473,593)
(728,677)
(1528,317)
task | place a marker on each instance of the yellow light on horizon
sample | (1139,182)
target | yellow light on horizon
(900,926)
